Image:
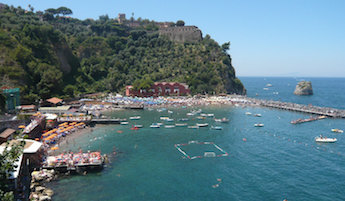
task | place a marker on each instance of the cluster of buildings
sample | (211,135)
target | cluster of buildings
(160,89)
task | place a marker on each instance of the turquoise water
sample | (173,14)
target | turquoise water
(328,92)
(277,161)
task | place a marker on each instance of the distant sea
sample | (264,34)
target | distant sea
(275,162)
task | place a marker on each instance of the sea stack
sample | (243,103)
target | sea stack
(303,88)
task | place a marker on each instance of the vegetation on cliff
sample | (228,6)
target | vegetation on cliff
(47,54)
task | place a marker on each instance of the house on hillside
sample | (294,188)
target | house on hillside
(53,102)
(12,96)
(160,89)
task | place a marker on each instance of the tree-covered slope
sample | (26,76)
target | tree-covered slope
(49,55)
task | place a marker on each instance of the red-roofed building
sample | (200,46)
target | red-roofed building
(160,89)
(54,101)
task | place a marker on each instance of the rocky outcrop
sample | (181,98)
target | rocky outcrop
(182,33)
(303,88)
(38,191)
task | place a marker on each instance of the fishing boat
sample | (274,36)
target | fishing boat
(258,125)
(193,127)
(169,126)
(202,124)
(135,118)
(124,123)
(180,125)
(337,130)
(216,127)
(325,139)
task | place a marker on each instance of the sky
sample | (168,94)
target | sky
(294,38)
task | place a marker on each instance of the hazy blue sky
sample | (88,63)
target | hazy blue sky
(268,38)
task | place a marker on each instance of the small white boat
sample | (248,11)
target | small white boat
(170,112)
(184,119)
(216,127)
(202,125)
(210,115)
(193,127)
(337,130)
(180,125)
(218,120)
(248,113)
(201,117)
(190,114)
(138,126)
(257,115)
(266,89)
(258,125)
(224,120)
(154,126)
(124,123)
(135,118)
(325,139)
(163,118)
(169,126)
(169,119)
(268,85)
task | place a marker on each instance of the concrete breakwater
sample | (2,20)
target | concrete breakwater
(315,110)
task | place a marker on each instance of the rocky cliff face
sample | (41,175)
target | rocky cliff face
(303,88)
(182,34)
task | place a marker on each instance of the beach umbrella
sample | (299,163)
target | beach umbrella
(37,139)
(21,126)
(54,148)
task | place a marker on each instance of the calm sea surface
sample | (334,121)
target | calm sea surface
(274,162)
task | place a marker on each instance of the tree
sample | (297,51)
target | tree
(226,46)
(180,23)
(8,158)
(52,11)
(64,11)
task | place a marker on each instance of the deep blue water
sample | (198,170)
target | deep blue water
(277,161)
(328,92)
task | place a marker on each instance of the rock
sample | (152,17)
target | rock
(48,192)
(303,88)
(45,198)
(40,189)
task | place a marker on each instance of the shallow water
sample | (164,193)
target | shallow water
(277,161)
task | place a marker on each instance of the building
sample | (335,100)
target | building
(12,98)
(53,102)
(59,110)
(121,17)
(160,89)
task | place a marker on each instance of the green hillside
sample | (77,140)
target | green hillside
(48,54)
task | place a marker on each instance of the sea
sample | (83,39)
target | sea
(275,162)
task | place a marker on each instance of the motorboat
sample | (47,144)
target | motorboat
(180,125)
(216,127)
(218,120)
(201,117)
(268,85)
(337,130)
(190,114)
(224,120)
(135,118)
(169,126)
(124,123)
(202,124)
(210,115)
(138,126)
(155,126)
(325,139)
(258,125)
(170,112)
(184,119)
(257,115)
(248,113)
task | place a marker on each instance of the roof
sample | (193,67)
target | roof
(51,116)
(27,107)
(7,133)
(58,108)
(54,100)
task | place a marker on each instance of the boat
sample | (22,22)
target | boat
(124,123)
(258,125)
(184,119)
(155,126)
(200,117)
(135,118)
(170,112)
(190,114)
(180,125)
(203,115)
(216,127)
(210,115)
(193,127)
(134,128)
(337,130)
(163,118)
(218,120)
(138,126)
(202,125)
(325,139)
(248,113)
(268,85)
(266,89)
(169,126)
(257,115)
(224,120)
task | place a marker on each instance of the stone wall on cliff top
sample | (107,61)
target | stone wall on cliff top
(182,33)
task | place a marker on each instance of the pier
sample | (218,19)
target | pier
(310,109)
(106,121)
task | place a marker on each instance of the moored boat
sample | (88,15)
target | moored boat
(337,130)
(193,127)
(202,124)
(155,126)
(180,125)
(258,125)
(135,118)
(138,126)
(169,126)
(124,123)
(216,127)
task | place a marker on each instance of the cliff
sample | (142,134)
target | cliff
(182,33)
(303,88)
